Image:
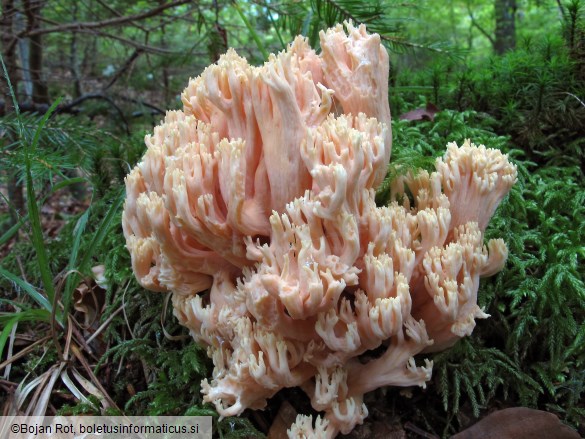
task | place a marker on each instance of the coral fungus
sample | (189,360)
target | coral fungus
(254,207)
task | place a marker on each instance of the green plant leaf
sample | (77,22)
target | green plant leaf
(28,289)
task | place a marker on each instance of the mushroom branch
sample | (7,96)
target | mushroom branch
(254,206)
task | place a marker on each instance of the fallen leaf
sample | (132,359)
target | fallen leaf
(427,113)
(518,423)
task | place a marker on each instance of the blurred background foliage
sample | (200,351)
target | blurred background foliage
(88,78)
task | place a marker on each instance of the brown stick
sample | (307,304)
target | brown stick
(103,23)
(124,68)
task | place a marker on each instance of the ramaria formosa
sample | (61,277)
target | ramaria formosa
(254,207)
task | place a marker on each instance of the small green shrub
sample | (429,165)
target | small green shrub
(535,94)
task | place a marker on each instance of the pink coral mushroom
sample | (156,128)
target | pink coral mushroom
(255,207)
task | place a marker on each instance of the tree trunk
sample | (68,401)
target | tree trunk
(505,26)
(9,44)
(19,25)
(74,59)
(40,90)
